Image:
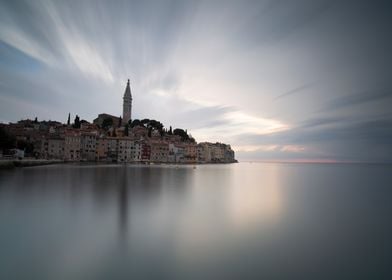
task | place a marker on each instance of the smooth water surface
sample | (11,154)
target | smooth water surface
(237,221)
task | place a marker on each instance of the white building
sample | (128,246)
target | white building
(176,152)
(136,151)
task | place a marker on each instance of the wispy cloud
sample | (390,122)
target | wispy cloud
(295,90)
(359,98)
(273,78)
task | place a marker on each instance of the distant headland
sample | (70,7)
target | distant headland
(108,139)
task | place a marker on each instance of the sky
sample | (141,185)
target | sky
(294,80)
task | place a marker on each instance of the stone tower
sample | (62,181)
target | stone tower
(127,104)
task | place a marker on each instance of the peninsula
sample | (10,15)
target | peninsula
(108,139)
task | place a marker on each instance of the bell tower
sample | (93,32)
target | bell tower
(127,104)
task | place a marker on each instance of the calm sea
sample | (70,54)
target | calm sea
(237,221)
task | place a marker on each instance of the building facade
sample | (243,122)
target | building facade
(88,146)
(72,146)
(159,151)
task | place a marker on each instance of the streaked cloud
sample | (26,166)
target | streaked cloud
(276,79)
(293,91)
(360,98)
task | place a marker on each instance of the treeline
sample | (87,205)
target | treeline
(9,142)
(156,125)
(151,125)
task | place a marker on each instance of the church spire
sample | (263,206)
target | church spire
(128,90)
(127,104)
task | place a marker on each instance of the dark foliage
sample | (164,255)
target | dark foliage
(7,141)
(76,122)
(108,122)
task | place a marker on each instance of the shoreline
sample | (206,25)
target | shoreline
(15,163)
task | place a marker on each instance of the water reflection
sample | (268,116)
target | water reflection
(256,198)
(215,221)
(123,203)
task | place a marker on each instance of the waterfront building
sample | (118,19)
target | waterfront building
(145,151)
(176,153)
(88,146)
(112,148)
(229,154)
(55,148)
(214,152)
(190,153)
(159,151)
(125,146)
(204,152)
(217,152)
(136,151)
(102,149)
(72,146)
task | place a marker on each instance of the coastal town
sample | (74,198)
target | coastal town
(108,138)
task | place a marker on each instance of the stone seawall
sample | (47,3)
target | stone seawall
(12,163)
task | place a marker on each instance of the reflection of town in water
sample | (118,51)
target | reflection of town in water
(98,220)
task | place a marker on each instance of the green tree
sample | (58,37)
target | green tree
(108,122)
(76,122)
(35,120)
(155,125)
(28,147)
(145,122)
(170,131)
(135,122)
(126,130)
(7,141)
(149,131)
(182,133)
(69,119)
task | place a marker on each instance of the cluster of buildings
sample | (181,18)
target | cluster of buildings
(91,143)
(118,143)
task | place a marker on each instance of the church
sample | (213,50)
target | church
(127,104)
(127,110)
